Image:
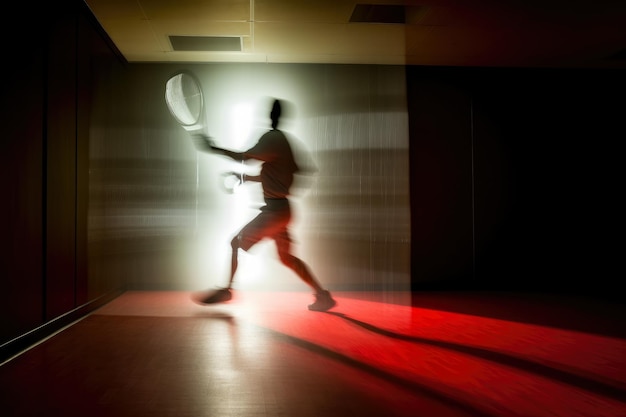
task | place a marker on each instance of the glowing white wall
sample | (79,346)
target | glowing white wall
(351,226)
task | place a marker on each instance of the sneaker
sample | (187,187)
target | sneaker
(323,302)
(220,295)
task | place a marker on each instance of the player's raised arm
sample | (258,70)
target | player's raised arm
(205,144)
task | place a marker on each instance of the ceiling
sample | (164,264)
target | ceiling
(509,33)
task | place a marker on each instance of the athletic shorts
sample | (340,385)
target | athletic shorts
(270,223)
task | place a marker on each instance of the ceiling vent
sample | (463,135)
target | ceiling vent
(378,13)
(206,43)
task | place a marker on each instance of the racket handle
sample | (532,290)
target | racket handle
(202,142)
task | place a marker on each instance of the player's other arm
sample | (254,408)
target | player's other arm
(255,178)
(245,177)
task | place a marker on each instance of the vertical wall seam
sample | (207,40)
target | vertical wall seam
(473,189)
(76,146)
(44,183)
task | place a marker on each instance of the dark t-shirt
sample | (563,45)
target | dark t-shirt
(279,165)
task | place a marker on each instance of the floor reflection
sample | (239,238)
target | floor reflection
(265,354)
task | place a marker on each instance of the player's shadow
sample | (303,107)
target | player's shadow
(524,364)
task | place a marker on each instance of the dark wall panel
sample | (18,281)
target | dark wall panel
(21,147)
(47,123)
(61,166)
(518,196)
(546,173)
(441,180)
(86,38)
(546,157)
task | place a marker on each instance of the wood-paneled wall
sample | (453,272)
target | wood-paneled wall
(46,100)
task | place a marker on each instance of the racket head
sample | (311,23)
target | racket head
(185,101)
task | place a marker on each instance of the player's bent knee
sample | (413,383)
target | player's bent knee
(239,242)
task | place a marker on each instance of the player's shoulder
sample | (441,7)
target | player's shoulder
(274,134)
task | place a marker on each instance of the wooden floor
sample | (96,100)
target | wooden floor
(375,355)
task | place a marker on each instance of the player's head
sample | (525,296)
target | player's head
(275,113)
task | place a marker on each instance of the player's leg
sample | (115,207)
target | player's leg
(234,258)
(265,224)
(283,244)
(248,236)
(323,299)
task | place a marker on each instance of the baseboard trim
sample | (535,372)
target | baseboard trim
(16,346)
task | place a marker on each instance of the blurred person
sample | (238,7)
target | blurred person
(278,168)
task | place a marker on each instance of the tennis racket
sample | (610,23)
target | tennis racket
(185,101)
(183,95)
